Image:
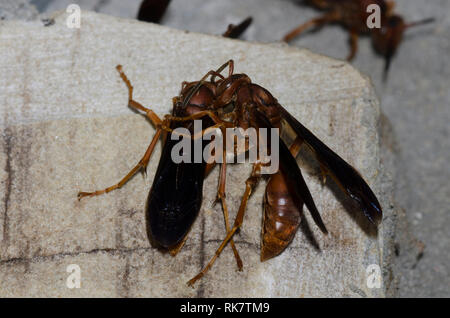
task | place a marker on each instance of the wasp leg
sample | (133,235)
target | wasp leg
(134,104)
(222,197)
(390,7)
(154,117)
(327,18)
(174,250)
(213,75)
(165,124)
(209,167)
(217,72)
(199,115)
(250,184)
(230,65)
(295,147)
(166,127)
(353,45)
(156,121)
(142,164)
(324,173)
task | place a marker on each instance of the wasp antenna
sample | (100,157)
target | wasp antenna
(421,22)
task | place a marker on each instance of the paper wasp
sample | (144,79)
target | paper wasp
(353,15)
(234,101)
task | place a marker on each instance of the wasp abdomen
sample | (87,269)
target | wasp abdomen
(282,216)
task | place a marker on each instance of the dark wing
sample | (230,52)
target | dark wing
(177,191)
(175,198)
(346,176)
(295,181)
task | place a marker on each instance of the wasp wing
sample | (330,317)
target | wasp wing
(345,175)
(295,181)
(175,197)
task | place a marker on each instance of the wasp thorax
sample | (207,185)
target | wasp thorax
(235,79)
(202,97)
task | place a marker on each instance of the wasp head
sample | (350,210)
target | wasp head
(387,38)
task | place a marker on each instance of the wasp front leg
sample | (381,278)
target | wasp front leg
(136,105)
(142,165)
(353,45)
(317,22)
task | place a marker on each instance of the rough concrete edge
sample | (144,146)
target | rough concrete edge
(386,186)
(384,189)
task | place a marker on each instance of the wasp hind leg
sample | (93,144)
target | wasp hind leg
(250,184)
(174,250)
(222,198)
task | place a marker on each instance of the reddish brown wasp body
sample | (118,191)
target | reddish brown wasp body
(228,102)
(282,215)
(353,15)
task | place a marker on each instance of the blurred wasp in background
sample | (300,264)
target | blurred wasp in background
(354,16)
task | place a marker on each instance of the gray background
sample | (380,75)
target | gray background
(415,101)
